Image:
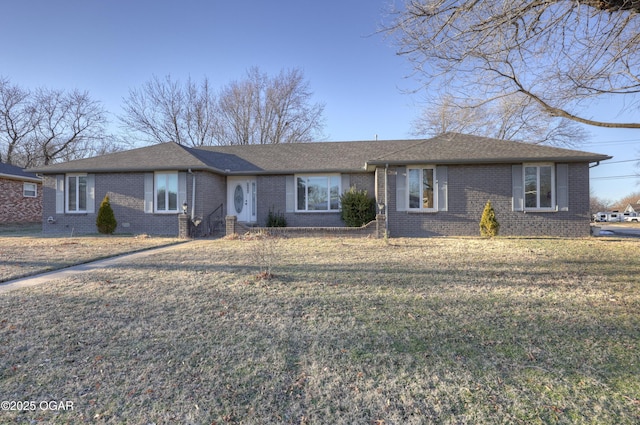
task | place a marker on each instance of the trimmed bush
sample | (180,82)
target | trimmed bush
(358,208)
(489,226)
(276,219)
(106,220)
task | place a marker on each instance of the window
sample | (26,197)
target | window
(539,187)
(421,188)
(29,190)
(77,193)
(166,192)
(318,193)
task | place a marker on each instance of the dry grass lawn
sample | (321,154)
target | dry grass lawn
(23,255)
(409,331)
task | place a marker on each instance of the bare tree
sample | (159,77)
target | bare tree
(18,120)
(68,125)
(559,54)
(599,204)
(511,118)
(235,123)
(268,110)
(632,199)
(156,111)
(200,113)
(43,126)
(256,110)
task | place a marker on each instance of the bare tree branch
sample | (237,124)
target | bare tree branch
(43,126)
(562,54)
(509,118)
(18,119)
(263,109)
(256,110)
(66,123)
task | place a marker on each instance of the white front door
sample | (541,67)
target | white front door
(241,198)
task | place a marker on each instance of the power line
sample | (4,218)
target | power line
(629,176)
(619,162)
(613,142)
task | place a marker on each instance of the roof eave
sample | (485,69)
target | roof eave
(125,169)
(299,171)
(21,178)
(371,165)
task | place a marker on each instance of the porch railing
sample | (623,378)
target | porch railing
(209,225)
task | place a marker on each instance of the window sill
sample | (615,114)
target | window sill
(540,210)
(317,212)
(422,211)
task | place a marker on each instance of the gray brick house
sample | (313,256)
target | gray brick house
(426,187)
(20,195)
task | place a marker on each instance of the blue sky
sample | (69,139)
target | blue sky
(110,46)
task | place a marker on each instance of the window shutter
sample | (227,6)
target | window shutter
(182,189)
(60,194)
(346,182)
(442,176)
(148,193)
(91,193)
(517,187)
(290,194)
(562,186)
(401,189)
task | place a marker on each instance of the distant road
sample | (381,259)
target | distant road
(620,229)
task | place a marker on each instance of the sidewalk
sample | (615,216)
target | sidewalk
(39,279)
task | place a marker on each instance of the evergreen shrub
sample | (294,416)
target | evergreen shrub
(489,225)
(358,208)
(106,220)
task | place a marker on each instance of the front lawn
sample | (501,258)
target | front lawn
(23,253)
(349,331)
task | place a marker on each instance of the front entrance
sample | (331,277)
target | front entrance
(241,198)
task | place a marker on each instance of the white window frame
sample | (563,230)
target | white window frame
(166,175)
(29,190)
(77,193)
(552,206)
(434,208)
(328,178)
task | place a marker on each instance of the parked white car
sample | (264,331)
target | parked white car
(632,218)
(609,216)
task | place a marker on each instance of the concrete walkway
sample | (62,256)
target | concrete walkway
(39,279)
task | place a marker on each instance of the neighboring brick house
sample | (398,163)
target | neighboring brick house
(20,195)
(426,187)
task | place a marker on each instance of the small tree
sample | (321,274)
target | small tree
(106,220)
(357,208)
(489,226)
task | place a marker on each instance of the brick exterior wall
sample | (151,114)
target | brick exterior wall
(471,186)
(271,195)
(15,207)
(211,191)
(126,194)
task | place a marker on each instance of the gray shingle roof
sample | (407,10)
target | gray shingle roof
(164,156)
(449,148)
(16,173)
(456,148)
